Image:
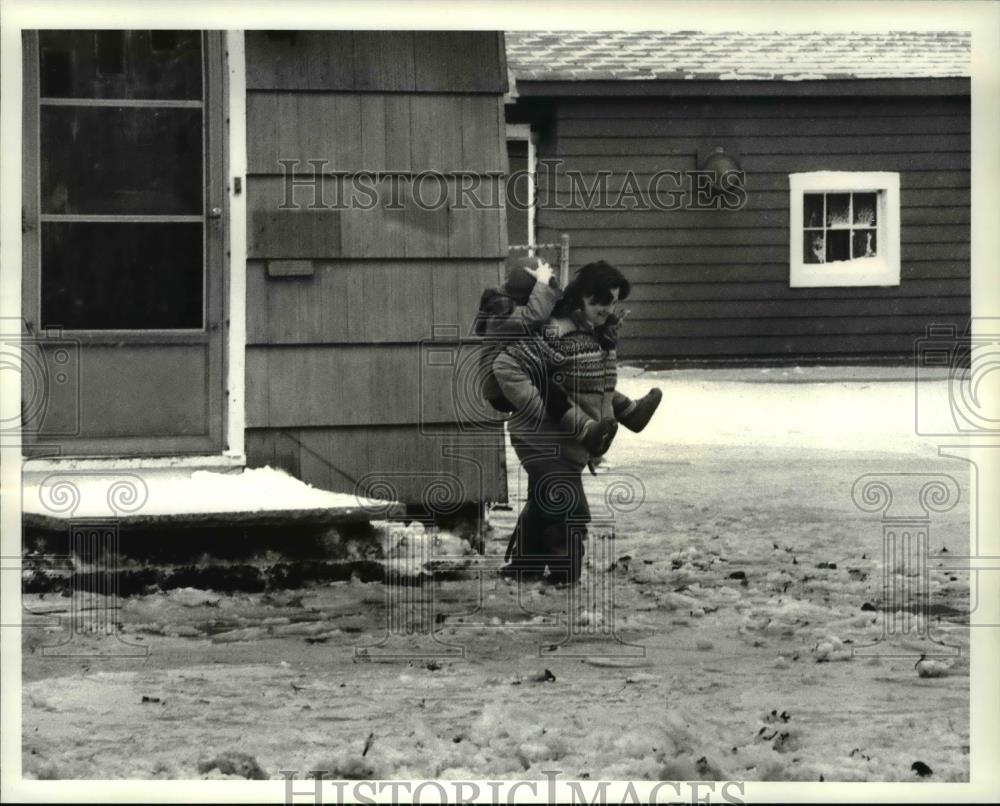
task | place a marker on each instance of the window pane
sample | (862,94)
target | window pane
(838,245)
(110,52)
(163,40)
(55,72)
(121,275)
(813,243)
(864,243)
(838,209)
(812,209)
(864,209)
(125,160)
(120,64)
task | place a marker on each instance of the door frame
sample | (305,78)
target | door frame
(522,131)
(225,124)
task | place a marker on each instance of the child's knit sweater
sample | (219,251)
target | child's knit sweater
(578,361)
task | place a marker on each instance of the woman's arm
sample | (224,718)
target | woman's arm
(520,370)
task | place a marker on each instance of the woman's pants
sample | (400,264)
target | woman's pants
(552,527)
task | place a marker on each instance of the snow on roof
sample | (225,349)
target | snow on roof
(745,55)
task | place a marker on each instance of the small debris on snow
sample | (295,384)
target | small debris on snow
(193,597)
(531,752)
(921,769)
(233,762)
(282,600)
(868,606)
(641,677)
(304,628)
(831,648)
(708,770)
(244,634)
(321,639)
(927,667)
(828,566)
(786,741)
(345,766)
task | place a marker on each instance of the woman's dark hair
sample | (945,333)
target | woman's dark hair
(596,280)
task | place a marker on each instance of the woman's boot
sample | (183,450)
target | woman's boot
(564,548)
(521,564)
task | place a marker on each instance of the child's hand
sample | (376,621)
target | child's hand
(543,273)
(612,331)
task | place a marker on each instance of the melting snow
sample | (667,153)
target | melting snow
(747,577)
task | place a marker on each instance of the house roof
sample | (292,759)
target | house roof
(739,56)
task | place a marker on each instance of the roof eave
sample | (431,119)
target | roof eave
(529,88)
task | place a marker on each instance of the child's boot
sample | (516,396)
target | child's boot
(597,436)
(638,413)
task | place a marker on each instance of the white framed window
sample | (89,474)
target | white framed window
(844,229)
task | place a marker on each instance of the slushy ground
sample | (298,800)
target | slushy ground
(733,628)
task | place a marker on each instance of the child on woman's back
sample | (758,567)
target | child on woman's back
(518,310)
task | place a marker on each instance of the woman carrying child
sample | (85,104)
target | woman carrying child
(515,311)
(575,355)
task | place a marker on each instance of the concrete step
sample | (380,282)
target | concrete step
(54,494)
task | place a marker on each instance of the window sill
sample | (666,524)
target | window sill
(853,273)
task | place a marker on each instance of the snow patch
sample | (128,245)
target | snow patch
(261,489)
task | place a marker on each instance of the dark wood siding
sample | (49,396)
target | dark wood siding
(713,284)
(377,61)
(349,276)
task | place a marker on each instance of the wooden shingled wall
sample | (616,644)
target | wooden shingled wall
(343,290)
(713,284)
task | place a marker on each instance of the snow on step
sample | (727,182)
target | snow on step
(149,497)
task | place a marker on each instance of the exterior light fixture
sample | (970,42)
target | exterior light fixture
(721,162)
